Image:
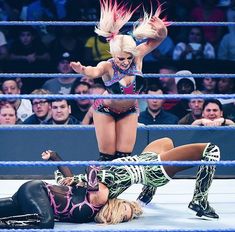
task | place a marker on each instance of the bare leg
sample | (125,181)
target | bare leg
(191,152)
(160,145)
(105,134)
(126,130)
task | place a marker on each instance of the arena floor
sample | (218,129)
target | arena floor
(167,211)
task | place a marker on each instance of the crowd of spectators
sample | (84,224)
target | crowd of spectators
(50,49)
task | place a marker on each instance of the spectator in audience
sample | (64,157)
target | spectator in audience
(61,113)
(168,85)
(226,50)
(61,85)
(208,85)
(3,11)
(195,47)
(95,89)
(87,79)
(212,115)
(6,10)
(67,40)
(231,14)
(39,10)
(79,107)
(229,110)
(185,85)
(96,49)
(23,106)
(41,108)
(82,10)
(195,106)
(60,8)
(226,86)
(154,113)
(209,12)
(28,51)
(162,52)
(10,10)
(3,47)
(8,114)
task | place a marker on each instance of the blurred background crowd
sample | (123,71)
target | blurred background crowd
(49,49)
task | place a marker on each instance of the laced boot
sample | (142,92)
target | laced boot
(147,194)
(204,178)
(203,209)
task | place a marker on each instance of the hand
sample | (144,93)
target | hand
(207,122)
(31,58)
(77,67)
(188,48)
(68,181)
(159,27)
(219,121)
(46,155)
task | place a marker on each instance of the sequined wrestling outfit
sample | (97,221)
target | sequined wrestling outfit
(114,86)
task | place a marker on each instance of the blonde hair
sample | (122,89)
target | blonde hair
(112,211)
(41,91)
(123,43)
(115,15)
(145,29)
(196,92)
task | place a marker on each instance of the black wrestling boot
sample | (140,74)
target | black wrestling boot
(205,175)
(147,194)
(92,181)
(203,209)
(106,157)
(120,154)
(26,221)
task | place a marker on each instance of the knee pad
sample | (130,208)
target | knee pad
(106,157)
(211,153)
(120,154)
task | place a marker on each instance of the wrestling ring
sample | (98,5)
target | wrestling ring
(168,210)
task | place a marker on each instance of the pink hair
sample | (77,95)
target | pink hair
(113,17)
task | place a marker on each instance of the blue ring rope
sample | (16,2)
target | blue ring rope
(91,127)
(229,163)
(147,75)
(119,230)
(115,96)
(93,23)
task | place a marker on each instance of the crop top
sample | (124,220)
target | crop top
(114,86)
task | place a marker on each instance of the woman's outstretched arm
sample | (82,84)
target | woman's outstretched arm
(90,71)
(53,156)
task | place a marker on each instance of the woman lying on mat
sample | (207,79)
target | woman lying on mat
(75,200)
